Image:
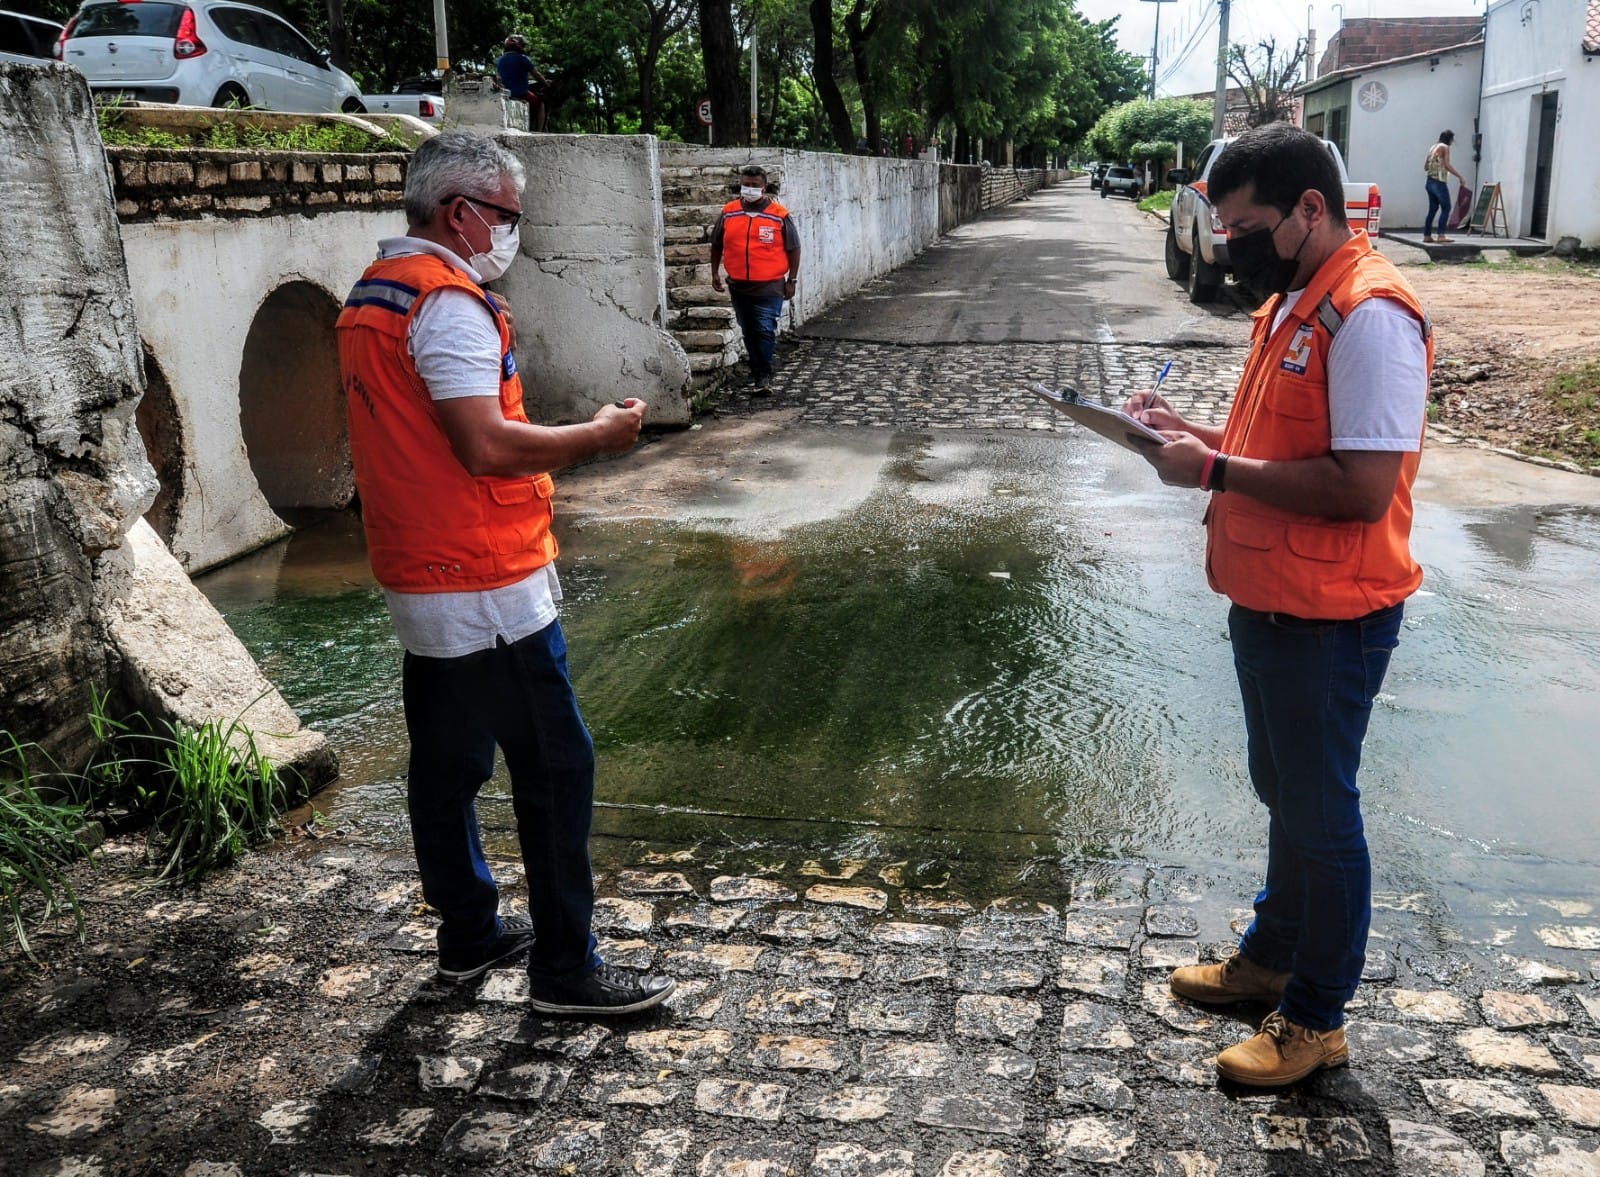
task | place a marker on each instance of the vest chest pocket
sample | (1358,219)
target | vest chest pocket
(510,493)
(1331,543)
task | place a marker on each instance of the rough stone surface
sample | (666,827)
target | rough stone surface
(1426,1150)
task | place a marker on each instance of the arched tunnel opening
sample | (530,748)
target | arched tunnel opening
(162,433)
(291,406)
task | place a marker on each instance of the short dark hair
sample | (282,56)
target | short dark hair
(1447,137)
(753,169)
(1281,162)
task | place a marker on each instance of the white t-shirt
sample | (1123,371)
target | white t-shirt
(456,347)
(1377,376)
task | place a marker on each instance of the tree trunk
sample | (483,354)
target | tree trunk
(719,48)
(859,35)
(822,72)
(338,35)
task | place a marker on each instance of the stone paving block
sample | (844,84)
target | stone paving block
(906,1060)
(416,936)
(818,962)
(1540,972)
(1166,955)
(741,888)
(1005,1018)
(1568,909)
(573,1146)
(71,1046)
(990,976)
(1514,1011)
(352,982)
(1088,1025)
(1535,1154)
(1089,1139)
(697,999)
(1433,1005)
(990,1114)
(852,1105)
(1100,929)
(866,898)
(504,987)
(638,882)
(1584,937)
(1426,1150)
(912,935)
(852,1160)
(713,958)
(631,916)
(1091,1082)
(289,1122)
(703,917)
(1189,1062)
(791,1007)
(1576,1105)
(1002,1062)
(402,1129)
(658,1152)
(563,1038)
(1168,920)
(904,970)
(692,1049)
(77,1112)
(1484,1098)
(1180,1015)
(628,954)
(1398,1044)
(984,1162)
(169,1061)
(1100,976)
(1495,1050)
(1339,1139)
(1379,967)
(842,871)
(932,903)
(796,927)
(533,1082)
(742,1099)
(792,1052)
(614,1089)
(1108,891)
(207,1169)
(891,1013)
(1591,1006)
(1583,1051)
(1019,909)
(448,1072)
(485,1136)
(746,1160)
(980,935)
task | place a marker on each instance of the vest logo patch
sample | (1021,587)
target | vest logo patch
(1299,350)
(766,234)
(508,366)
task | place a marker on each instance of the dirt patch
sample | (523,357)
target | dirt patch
(1518,353)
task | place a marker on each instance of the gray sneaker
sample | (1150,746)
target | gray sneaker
(516,937)
(608,990)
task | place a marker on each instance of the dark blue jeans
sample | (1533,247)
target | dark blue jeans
(457,710)
(758,323)
(1438,202)
(1308,688)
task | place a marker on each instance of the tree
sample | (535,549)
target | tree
(1267,77)
(719,47)
(822,65)
(865,18)
(658,22)
(1148,130)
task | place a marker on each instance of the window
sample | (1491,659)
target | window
(283,39)
(1336,130)
(129,20)
(1314,124)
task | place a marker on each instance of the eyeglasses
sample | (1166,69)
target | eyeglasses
(514,214)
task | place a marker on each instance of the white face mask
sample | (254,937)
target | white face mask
(503,245)
(750,193)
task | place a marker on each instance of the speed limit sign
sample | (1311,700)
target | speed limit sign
(702,111)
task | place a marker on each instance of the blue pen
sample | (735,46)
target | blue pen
(1150,400)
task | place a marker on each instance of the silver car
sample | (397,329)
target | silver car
(203,53)
(27,39)
(1122,181)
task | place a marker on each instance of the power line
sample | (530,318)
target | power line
(1202,31)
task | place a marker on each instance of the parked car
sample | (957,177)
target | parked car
(1121,180)
(27,39)
(202,53)
(1096,172)
(427,107)
(1197,244)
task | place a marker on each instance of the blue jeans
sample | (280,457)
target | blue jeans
(758,323)
(518,697)
(1308,688)
(1438,202)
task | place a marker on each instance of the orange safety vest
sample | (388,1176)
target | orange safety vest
(431,526)
(1276,561)
(752,242)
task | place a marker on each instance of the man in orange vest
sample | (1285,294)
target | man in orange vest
(456,504)
(755,236)
(1308,528)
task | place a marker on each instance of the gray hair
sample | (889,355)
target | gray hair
(456,163)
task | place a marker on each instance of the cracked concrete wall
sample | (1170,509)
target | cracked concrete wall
(590,290)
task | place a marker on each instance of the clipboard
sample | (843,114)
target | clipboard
(1111,424)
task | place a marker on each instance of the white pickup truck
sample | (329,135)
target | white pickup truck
(1197,244)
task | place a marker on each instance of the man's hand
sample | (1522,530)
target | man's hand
(504,305)
(619,425)
(1180,461)
(1155,412)
(716,280)
(788,288)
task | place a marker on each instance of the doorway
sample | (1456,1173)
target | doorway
(1542,164)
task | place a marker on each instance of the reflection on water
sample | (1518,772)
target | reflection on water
(1024,670)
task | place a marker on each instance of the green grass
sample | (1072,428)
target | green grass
(1159,202)
(39,838)
(242,135)
(1577,390)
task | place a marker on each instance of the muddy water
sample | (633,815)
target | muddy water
(997,662)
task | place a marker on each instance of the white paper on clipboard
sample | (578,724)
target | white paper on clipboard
(1112,424)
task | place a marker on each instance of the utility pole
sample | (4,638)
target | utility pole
(1155,44)
(755,45)
(1220,105)
(1311,44)
(441,41)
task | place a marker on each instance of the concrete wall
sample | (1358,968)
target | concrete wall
(1524,60)
(960,195)
(858,216)
(1388,142)
(590,289)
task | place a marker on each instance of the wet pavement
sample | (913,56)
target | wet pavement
(921,768)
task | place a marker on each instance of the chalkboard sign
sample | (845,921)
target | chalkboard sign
(1480,209)
(1487,214)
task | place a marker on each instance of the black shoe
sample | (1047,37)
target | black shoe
(762,386)
(516,937)
(607,990)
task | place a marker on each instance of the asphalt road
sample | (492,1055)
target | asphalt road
(1064,266)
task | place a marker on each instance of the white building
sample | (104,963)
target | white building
(1541,87)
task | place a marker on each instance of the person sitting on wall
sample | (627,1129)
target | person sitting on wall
(517,74)
(757,237)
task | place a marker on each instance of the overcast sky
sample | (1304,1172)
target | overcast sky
(1188,47)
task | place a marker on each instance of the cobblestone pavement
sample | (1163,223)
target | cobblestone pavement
(830,1019)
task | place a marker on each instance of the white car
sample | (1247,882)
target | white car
(27,39)
(427,107)
(203,53)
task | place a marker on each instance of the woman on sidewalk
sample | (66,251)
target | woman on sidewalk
(1438,167)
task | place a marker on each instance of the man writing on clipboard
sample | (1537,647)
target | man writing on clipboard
(1307,533)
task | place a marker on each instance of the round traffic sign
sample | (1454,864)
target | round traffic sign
(702,111)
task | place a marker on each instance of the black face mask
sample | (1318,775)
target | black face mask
(1257,266)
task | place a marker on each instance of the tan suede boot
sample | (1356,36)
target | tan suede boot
(1235,979)
(1282,1053)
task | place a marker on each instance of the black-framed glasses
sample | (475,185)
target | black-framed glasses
(514,214)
